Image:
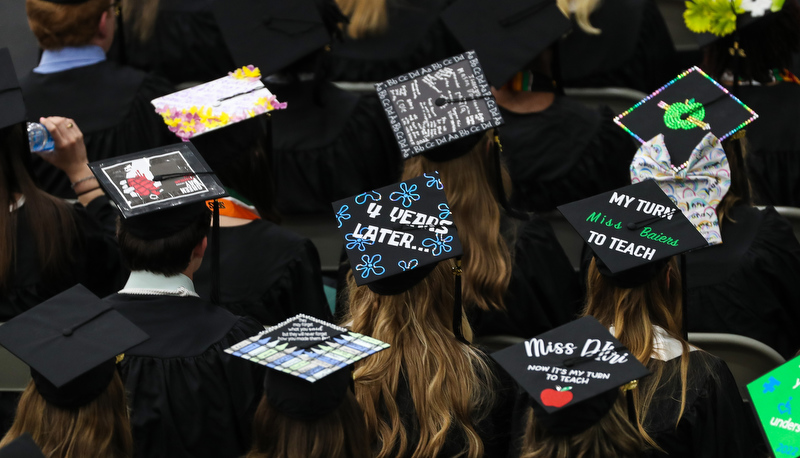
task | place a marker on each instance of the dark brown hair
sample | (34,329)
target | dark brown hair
(340,434)
(51,220)
(57,26)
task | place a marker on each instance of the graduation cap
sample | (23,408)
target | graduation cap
(684,111)
(70,342)
(714,19)
(309,359)
(13,111)
(571,373)
(21,447)
(274,33)
(507,34)
(632,227)
(440,104)
(772,397)
(240,95)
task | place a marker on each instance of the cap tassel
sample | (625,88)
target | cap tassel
(457,309)
(215,242)
(685,297)
(497,148)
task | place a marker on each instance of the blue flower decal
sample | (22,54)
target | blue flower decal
(342,214)
(361,199)
(433,181)
(445,211)
(370,266)
(438,244)
(406,193)
(359,243)
(408,265)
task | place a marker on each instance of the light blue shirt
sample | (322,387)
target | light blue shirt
(54,61)
(149,283)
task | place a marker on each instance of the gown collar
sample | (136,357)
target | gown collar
(152,284)
(665,347)
(54,61)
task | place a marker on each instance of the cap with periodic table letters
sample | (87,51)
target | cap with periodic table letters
(240,95)
(506,34)
(684,110)
(394,236)
(71,342)
(631,228)
(310,361)
(571,373)
(273,34)
(13,111)
(444,107)
(773,397)
(21,447)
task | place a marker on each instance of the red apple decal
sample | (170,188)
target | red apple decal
(556,398)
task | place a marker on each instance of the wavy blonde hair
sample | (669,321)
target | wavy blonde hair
(633,312)
(450,383)
(367,17)
(613,435)
(140,16)
(580,10)
(472,194)
(99,429)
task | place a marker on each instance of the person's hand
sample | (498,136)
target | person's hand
(70,152)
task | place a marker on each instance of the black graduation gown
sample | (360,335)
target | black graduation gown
(188,398)
(633,50)
(715,423)
(773,143)
(564,153)
(111,105)
(324,153)
(185,45)
(748,284)
(544,291)
(97,263)
(266,272)
(414,38)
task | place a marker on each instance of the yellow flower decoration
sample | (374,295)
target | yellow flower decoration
(714,16)
(248,72)
(777,5)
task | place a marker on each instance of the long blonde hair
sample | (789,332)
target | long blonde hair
(99,429)
(633,312)
(581,10)
(140,17)
(449,382)
(469,185)
(367,17)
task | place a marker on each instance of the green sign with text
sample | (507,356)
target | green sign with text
(776,399)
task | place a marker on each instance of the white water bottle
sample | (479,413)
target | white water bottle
(39,139)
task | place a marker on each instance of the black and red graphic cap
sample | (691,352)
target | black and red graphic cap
(160,191)
(572,373)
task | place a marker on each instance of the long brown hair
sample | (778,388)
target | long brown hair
(740,191)
(98,429)
(340,434)
(367,17)
(633,312)
(613,435)
(471,192)
(140,17)
(450,383)
(51,220)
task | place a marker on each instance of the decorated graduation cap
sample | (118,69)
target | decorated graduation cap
(309,361)
(572,373)
(441,109)
(632,231)
(275,33)
(507,34)
(772,396)
(21,447)
(714,19)
(684,111)
(239,96)
(13,111)
(71,342)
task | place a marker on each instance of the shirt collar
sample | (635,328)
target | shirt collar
(63,59)
(149,283)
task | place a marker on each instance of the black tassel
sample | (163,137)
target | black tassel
(497,150)
(215,287)
(457,309)
(685,297)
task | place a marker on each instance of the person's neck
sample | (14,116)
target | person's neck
(523,102)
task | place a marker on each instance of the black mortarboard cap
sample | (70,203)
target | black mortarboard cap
(506,34)
(684,111)
(310,361)
(159,191)
(70,342)
(571,373)
(13,111)
(272,34)
(394,236)
(21,447)
(438,105)
(632,227)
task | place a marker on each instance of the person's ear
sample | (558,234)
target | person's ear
(102,26)
(200,250)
